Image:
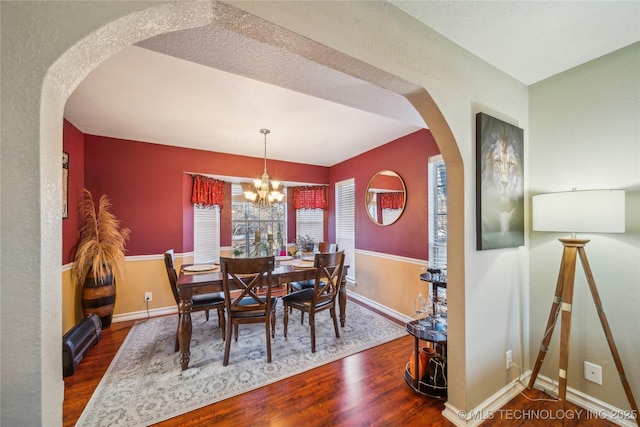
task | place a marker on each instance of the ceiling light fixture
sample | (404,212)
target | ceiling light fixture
(267,193)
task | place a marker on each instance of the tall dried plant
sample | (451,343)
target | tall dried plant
(102,241)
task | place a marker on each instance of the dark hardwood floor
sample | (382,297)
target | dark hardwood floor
(366,389)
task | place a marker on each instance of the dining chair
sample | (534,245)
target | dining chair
(323,247)
(247,284)
(322,296)
(201,302)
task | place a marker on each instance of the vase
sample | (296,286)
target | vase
(424,359)
(99,297)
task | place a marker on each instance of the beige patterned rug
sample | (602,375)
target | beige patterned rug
(144,383)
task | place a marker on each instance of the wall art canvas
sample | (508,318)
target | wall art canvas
(499,184)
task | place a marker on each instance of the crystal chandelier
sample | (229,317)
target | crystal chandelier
(266,193)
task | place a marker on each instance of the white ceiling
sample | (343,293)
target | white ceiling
(212,89)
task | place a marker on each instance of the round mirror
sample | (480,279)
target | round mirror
(386,197)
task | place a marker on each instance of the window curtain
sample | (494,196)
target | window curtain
(391,200)
(207,192)
(310,197)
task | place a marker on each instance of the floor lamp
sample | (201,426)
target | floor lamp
(596,211)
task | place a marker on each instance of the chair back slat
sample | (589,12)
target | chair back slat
(242,281)
(324,247)
(329,268)
(169,263)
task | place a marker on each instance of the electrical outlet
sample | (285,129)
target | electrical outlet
(592,373)
(508,359)
(148,297)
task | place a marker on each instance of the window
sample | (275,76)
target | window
(206,234)
(437,213)
(345,224)
(249,222)
(389,216)
(310,222)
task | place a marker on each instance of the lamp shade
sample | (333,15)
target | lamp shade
(592,211)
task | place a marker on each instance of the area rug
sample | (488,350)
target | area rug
(144,383)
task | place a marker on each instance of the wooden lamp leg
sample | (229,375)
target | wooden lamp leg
(563,299)
(569,270)
(548,330)
(607,331)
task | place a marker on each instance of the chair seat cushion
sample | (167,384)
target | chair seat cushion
(303,284)
(247,301)
(302,297)
(206,299)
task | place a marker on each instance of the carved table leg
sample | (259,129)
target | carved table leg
(184,329)
(342,299)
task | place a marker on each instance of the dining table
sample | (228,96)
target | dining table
(197,278)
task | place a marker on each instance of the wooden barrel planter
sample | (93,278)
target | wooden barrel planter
(99,297)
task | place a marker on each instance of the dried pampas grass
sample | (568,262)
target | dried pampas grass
(102,241)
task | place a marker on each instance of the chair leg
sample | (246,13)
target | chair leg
(222,322)
(312,326)
(177,344)
(286,318)
(235,326)
(227,344)
(272,318)
(268,333)
(332,310)
(206,314)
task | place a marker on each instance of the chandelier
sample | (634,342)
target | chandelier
(265,193)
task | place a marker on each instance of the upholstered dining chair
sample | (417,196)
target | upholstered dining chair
(201,302)
(323,247)
(322,296)
(247,284)
(327,247)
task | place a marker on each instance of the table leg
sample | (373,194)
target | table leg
(184,329)
(342,300)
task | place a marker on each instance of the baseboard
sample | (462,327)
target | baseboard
(379,307)
(137,315)
(598,408)
(490,409)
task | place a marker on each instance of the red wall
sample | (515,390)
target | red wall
(73,144)
(149,186)
(407,156)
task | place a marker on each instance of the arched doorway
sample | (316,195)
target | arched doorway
(73,66)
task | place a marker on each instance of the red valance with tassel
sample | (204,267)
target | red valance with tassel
(391,200)
(207,192)
(310,197)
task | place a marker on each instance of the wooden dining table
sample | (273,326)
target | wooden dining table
(193,283)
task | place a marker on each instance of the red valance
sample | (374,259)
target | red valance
(207,192)
(310,197)
(391,200)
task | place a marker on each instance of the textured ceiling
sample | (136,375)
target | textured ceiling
(212,88)
(532,40)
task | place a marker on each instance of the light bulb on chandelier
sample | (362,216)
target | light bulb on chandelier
(265,193)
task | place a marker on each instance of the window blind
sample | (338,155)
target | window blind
(310,222)
(437,213)
(345,224)
(206,235)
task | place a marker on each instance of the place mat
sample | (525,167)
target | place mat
(303,264)
(200,268)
